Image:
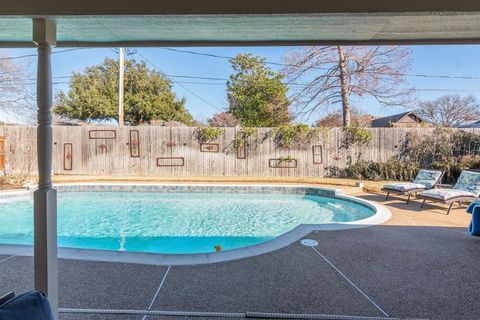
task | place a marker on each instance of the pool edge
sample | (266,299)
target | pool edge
(382,214)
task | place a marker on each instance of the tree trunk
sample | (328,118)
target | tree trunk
(344,86)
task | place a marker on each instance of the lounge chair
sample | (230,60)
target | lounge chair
(467,189)
(425,179)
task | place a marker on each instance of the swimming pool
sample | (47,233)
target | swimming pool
(178,220)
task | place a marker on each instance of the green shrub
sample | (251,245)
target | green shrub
(369,170)
(242,136)
(454,166)
(206,134)
(285,136)
(355,137)
(445,149)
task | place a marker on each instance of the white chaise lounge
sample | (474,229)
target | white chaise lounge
(467,189)
(425,179)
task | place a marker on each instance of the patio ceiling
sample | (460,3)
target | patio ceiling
(246,22)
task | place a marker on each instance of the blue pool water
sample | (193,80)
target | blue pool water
(174,222)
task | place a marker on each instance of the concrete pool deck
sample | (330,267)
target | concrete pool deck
(419,264)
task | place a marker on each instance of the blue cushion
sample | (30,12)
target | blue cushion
(469,181)
(429,178)
(404,186)
(32,305)
(446,194)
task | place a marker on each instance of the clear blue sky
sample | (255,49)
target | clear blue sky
(208,99)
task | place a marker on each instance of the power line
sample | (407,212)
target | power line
(18,57)
(168,75)
(268,62)
(222,84)
(320,68)
(435,76)
(416,89)
(181,85)
(28,84)
(194,94)
(34,54)
(445,89)
(209,78)
(203,83)
(211,55)
(57,77)
(196,77)
(289,83)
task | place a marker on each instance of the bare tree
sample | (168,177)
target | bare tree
(223,119)
(450,110)
(16,95)
(334,74)
(335,119)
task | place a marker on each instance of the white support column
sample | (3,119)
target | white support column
(45,198)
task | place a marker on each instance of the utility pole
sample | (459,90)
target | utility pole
(121,72)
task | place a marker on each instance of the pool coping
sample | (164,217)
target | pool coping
(381,216)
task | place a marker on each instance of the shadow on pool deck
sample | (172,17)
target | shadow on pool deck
(421,272)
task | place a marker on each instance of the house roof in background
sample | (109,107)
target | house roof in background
(107,23)
(386,121)
(475,124)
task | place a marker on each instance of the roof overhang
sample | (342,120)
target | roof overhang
(107,23)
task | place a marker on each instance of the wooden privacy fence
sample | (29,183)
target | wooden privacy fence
(175,151)
(2,153)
